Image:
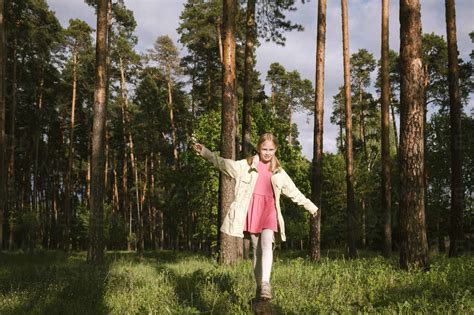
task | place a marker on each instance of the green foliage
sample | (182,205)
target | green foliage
(438,161)
(199,32)
(181,283)
(272,22)
(333,198)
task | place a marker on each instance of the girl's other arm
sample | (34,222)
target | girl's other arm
(290,190)
(227,166)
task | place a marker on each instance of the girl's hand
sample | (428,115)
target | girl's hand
(198,148)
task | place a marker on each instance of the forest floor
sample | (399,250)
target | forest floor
(167,282)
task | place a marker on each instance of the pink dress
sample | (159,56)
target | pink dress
(262,211)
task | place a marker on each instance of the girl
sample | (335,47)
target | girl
(256,211)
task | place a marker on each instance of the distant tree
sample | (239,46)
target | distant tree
(96,247)
(269,23)
(362,64)
(124,64)
(200,33)
(78,40)
(272,22)
(414,246)
(394,89)
(166,55)
(457,190)
(290,93)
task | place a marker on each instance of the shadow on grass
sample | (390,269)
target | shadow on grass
(214,291)
(333,254)
(159,256)
(51,282)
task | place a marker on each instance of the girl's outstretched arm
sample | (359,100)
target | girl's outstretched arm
(290,190)
(227,166)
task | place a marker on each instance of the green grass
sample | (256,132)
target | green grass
(184,283)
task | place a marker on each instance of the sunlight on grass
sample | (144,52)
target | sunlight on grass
(184,283)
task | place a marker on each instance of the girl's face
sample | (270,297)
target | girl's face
(266,151)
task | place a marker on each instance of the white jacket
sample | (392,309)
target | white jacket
(245,179)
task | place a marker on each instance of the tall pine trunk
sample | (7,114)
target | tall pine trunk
(317,181)
(248,79)
(251,30)
(351,210)
(96,239)
(414,246)
(173,127)
(36,145)
(395,133)
(228,244)
(11,161)
(3,144)
(457,190)
(386,179)
(67,182)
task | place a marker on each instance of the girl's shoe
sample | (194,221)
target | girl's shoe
(265,291)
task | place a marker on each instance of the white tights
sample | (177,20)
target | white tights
(262,245)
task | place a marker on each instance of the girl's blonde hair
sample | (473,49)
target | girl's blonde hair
(274,164)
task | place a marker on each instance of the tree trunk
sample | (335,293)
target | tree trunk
(107,93)
(290,136)
(317,180)
(3,144)
(173,128)
(351,210)
(96,246)
(36,145)
(248,79)
(228,244)
(153,222)
(385,97)
(126,120)
(457,190)
(251,29)
(219,39)
(67,182)
(414,246)
(395,133)
(362,122)
(11,161)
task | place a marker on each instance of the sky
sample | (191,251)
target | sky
(161,17)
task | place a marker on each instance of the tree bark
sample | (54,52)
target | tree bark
(351,210)
(67,181)
(11,161)
(36,145)
(386,178)
(457,190)
(251,30)
(96,246)
(173,128)
(248,79)
(228,244)
(317,182)
(414,246)
(3,144)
